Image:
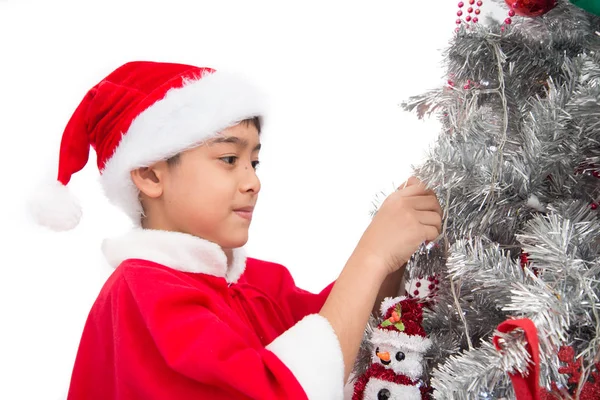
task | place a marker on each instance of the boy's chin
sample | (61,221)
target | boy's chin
(234,242)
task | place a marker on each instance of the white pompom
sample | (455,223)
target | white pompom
(389,302)
(53,206)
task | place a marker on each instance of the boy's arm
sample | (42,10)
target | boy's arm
(408,217)
(350,303)
(389,288)
(300,303)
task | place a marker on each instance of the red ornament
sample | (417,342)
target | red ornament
(471,2)
(508,21)
(459,13)
(511,13)
(470,10)
(531,8)
(461,4)
(458,21)
(594,206)
(526,386)
(524,259)
(479,3)
(475,20)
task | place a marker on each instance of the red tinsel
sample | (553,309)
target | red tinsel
(591,388)
(380,372)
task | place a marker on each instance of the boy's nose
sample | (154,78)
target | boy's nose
(251,183)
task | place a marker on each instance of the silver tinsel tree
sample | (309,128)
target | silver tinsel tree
(517,170)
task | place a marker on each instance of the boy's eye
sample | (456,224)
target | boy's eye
(229,159)
(255,164)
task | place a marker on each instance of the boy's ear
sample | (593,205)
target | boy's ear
(150,180)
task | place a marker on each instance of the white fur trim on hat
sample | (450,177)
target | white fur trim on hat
(390,337)
(183,119)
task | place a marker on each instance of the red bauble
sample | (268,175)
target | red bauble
(531,8)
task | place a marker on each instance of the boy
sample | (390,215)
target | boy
(186,315)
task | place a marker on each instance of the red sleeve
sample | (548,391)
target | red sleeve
(276,280)
(194,341)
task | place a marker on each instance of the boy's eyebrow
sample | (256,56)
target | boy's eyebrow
(234,140)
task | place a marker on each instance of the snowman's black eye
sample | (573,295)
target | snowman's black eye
(400,356)
(383,394)
(377,350)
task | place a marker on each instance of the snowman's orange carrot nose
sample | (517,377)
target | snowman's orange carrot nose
(385,356)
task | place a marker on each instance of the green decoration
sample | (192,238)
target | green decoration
(400,326)
(591,6)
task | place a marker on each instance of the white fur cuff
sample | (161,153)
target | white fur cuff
(311,350)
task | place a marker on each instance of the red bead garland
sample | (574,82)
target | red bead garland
(470,10)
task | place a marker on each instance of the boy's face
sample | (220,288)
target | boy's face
(211,191)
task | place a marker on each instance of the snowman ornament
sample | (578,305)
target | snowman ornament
(399,344)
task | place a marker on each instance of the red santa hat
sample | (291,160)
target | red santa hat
(402,324)
(141,113)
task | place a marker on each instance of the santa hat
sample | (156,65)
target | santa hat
(141,113)
(402,324)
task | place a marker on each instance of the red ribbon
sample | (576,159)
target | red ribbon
(526,387)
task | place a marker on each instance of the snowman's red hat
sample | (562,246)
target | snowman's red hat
(402,324)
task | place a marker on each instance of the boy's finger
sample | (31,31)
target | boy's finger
(414,190)
(431,232)
(430,218)
(412,181)
(427,203)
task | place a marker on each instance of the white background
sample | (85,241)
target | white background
(335,71)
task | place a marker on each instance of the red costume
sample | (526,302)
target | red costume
(174,322)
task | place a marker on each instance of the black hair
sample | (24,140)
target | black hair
(254,121)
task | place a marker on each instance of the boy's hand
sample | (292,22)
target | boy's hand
(406,219)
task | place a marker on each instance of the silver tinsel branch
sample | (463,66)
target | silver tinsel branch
(517,171)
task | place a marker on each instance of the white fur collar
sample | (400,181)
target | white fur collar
(175,250)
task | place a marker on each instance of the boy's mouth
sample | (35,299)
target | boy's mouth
(245,212)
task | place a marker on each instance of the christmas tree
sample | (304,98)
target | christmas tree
(517,171)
